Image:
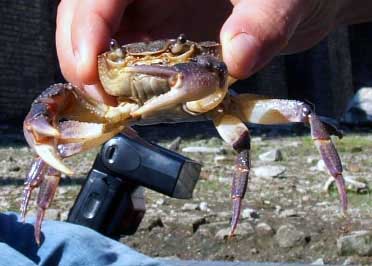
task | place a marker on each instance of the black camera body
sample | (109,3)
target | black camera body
(112,202)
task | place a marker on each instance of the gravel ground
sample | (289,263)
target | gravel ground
(287,215)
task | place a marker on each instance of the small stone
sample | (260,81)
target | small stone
(311,160)
(289,236)
(249,213)
(189,221)
(320,166)
(288,213)
(194,149)
(175,144)
(263,229)
(243,230)
(222,159)
(254,251)
(203,206)
(160,202)
(305,198)
(269,171)
(319,261)
(352,184)
(190,206)
(356,243)
(359,110)
(271,156)
(14,168)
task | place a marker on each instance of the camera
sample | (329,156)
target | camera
(111,200)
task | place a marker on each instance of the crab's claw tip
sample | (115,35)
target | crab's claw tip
(340,183)
(41,127)
(236,215)
(49,154)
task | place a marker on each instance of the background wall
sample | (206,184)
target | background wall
(327,75)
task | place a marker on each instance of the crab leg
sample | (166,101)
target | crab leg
(252,109)
(234,132)
(46,194)
(34,179)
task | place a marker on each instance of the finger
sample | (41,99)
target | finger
(256,31)
(93,24)
(65,13)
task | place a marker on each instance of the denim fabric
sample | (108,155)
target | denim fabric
(63,244)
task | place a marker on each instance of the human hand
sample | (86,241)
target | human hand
(85,27)
(254,33)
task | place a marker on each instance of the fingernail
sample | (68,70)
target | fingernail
(242,53)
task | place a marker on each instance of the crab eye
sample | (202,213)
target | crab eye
(181,39)
(306,111)
(113,45)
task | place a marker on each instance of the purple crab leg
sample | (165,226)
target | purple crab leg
(34,178)
(234,132)
(329,155)
(261,110)
(46,194)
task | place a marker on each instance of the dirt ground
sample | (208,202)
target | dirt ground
(288,217)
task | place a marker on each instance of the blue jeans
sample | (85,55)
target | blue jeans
(63,244)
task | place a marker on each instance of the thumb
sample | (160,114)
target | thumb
(256,31)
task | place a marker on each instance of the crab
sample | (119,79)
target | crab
(163,81)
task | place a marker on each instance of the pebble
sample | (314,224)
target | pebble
(319,261)
(160,202)
(269,171)
(356,243)
(271,156)
(190,222)
(222,159)
(243,230)
(320,166)
(288,213)
(190,206)
(264,229)
(203,206)
(311,160)
(352,184)
(249,213)
(14,168)
(289,236)
(196,149)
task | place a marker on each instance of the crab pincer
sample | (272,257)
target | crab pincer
(40,126)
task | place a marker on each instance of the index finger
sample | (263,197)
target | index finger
(83,31)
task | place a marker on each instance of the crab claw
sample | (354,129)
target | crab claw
(328,152)
(41,124)
(47,151)
(188,82)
